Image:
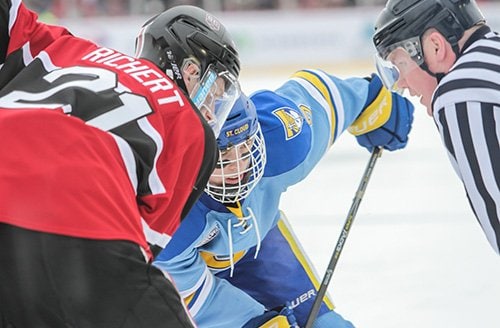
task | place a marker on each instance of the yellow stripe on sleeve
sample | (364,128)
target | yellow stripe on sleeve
(187,300)
(325,92)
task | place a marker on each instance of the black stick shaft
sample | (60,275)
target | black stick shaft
(342,238)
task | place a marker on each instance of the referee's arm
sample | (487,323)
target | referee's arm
(470,132)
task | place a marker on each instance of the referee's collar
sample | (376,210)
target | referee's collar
(478,34)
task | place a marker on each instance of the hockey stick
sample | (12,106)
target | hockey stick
(377,152)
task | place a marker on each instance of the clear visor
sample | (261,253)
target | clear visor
(398,60)
(213,87)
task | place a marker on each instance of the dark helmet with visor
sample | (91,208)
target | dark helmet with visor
(189,39)
(402,23)
(241,137)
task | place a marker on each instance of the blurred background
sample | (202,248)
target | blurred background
(78,8)
(272,36)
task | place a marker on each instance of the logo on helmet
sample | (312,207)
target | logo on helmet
(212,22)
(173,72)
(238,130)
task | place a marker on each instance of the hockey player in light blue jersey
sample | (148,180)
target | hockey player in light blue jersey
(234,258)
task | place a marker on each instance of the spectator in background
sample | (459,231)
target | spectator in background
(171,3)
(88,8)
(83,8)
(44,8)
(115,7)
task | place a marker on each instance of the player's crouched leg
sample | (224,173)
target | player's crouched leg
(332,319)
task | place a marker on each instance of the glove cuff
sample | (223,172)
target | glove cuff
(376,114)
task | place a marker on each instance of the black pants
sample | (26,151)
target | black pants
(54,281)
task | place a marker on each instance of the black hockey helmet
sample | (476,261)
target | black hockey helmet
(187,31)
(402,23)
(404,19)
(194,49)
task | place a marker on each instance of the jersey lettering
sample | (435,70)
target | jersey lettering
(137,70)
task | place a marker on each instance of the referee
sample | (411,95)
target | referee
(443,52)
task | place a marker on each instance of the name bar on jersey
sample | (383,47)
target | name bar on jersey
(144,74)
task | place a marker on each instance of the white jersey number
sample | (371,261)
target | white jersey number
(94,79)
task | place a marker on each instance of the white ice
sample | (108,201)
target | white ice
(415,256)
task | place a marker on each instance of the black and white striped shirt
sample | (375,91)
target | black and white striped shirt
(467,113)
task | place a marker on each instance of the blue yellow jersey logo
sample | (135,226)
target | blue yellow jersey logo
(291,120)
(307,112)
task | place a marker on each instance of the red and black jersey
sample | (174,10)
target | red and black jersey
(22,37)
(95,144)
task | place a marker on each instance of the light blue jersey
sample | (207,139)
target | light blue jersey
(230,264)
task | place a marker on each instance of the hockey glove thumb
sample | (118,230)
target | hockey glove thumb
(280,317)
(385,120)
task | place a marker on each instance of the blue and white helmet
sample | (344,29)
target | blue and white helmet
(242,154)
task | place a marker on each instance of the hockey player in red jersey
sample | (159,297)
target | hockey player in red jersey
(102,156)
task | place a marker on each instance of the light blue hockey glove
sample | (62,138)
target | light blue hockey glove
(280,317)
(386,119)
